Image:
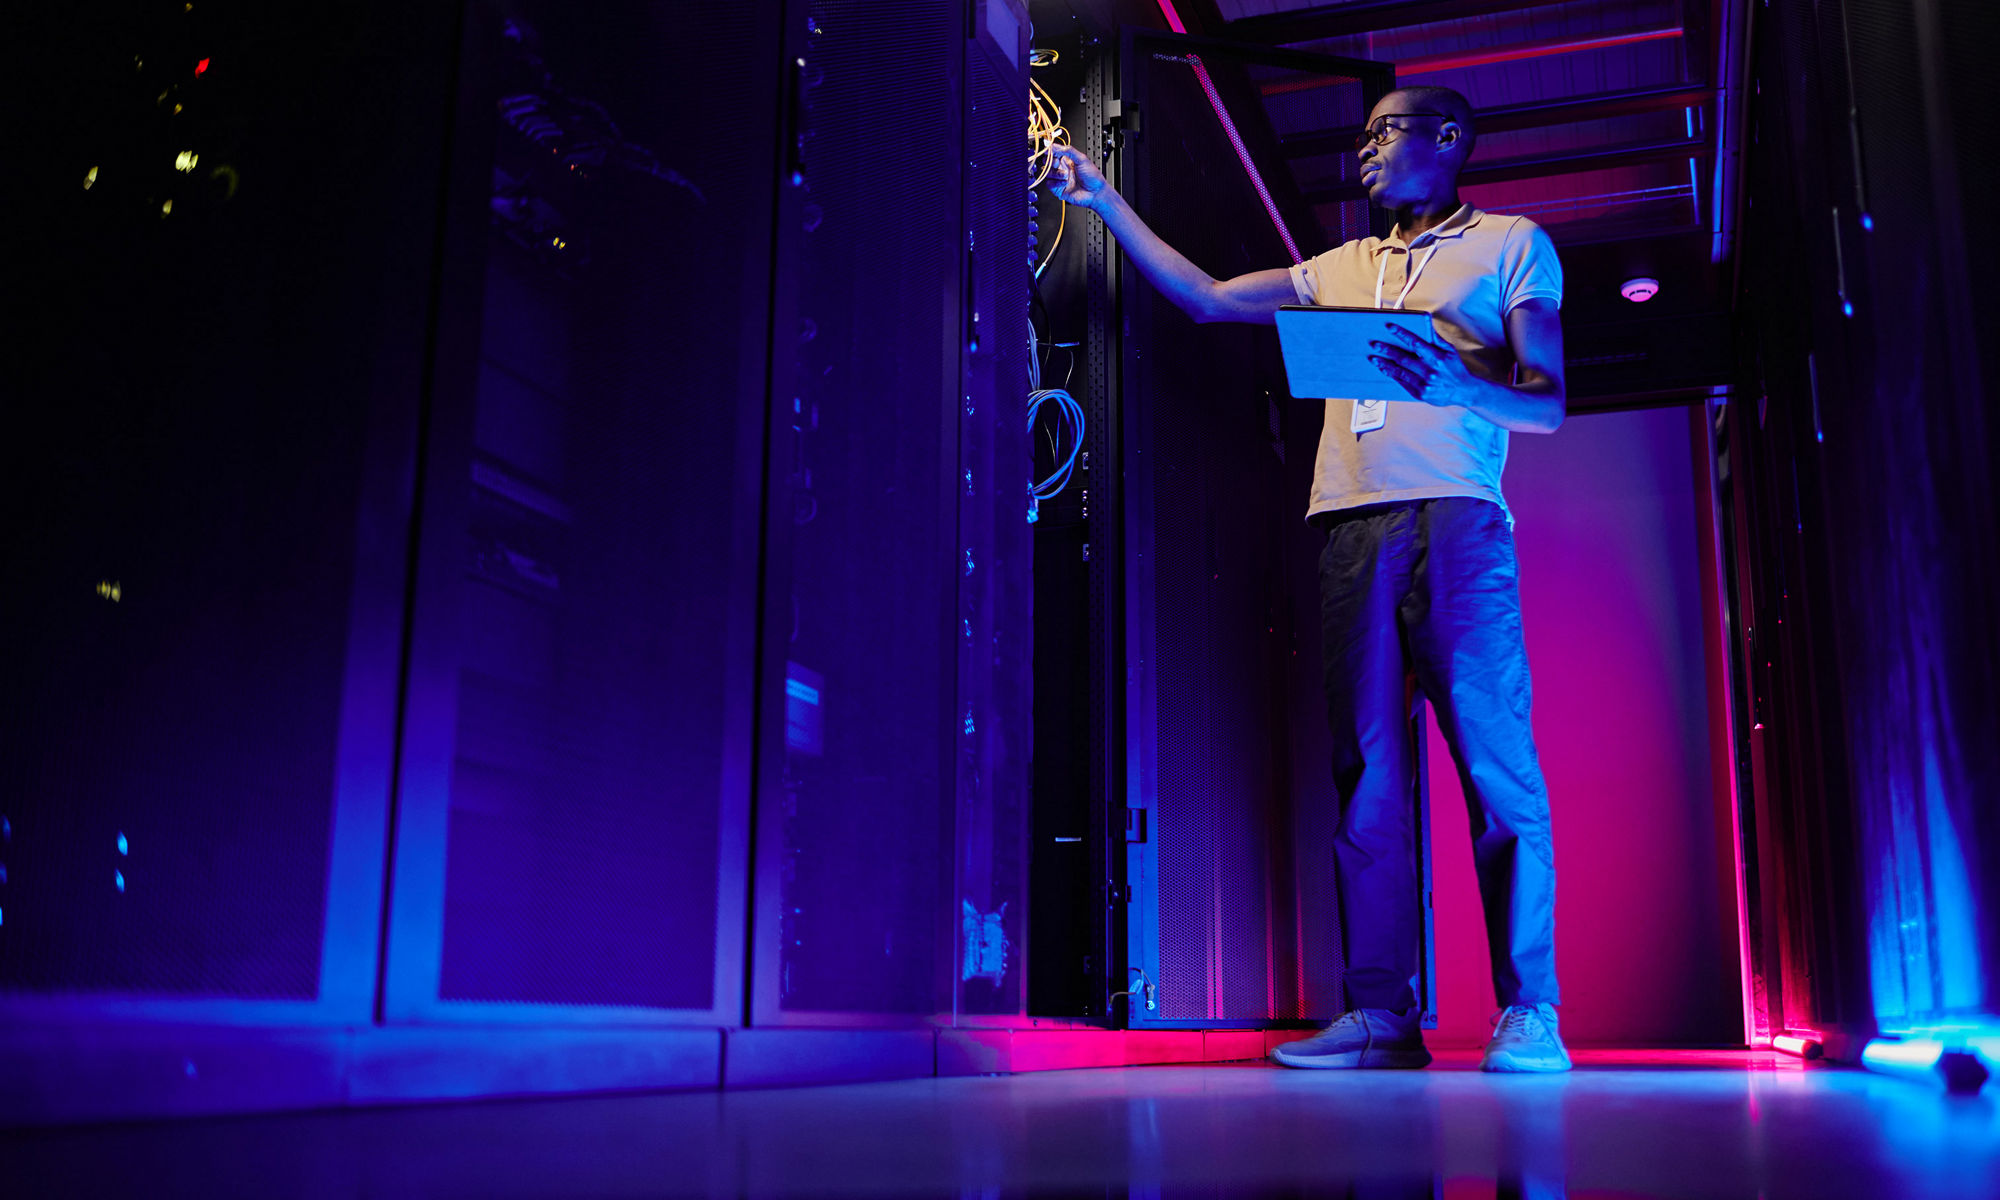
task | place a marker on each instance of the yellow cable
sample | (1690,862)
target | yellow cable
(1060,221)
(1045,133)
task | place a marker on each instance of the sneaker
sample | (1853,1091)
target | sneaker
(1525,1039)
(1365,1037)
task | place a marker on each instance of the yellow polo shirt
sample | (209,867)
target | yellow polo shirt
(1475,267)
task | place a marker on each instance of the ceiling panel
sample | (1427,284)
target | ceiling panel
(1547,59)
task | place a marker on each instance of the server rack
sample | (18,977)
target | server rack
(572,801)
(893,735)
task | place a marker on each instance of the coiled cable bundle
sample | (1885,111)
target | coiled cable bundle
(1068,428)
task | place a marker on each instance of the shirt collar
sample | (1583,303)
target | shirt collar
(1452,226)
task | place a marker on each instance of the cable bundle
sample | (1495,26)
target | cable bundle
(1045,133)
(1069,424)
(1070,413)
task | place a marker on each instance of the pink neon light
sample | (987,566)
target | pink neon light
(1480,58)
(1756,1022)
(1235,140)
(1515,53)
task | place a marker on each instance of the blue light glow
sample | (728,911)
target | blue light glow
(1954,920)
(1924,945)
(804,716)
(1953,1056)
(1847,307)
(118,880)
(124,847)
(987,946)
(1694,173)
(1867,222)
(1915,1054)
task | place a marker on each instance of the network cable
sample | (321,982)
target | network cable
(1069,423)
(1069,412)
(1045,133)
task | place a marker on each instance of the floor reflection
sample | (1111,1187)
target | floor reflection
(1622,1125)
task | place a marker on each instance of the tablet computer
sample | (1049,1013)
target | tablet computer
(1326,350)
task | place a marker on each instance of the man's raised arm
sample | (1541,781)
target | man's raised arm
(1254,297)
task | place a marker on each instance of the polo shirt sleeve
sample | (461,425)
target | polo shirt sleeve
(1305,279)
(1529,268)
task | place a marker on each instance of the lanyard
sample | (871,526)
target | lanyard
(1382,275)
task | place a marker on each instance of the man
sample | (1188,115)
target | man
(1418,571)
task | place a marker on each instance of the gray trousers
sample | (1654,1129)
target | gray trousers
(1431,587)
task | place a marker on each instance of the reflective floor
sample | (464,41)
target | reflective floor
(1623,1124)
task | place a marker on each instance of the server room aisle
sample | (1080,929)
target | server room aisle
(1652,1123)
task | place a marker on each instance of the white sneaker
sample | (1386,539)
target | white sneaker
(1525,1039)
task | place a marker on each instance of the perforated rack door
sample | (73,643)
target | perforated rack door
(573,823)
(854,871)
(994,630)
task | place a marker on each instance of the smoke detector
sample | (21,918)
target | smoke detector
(1639,290)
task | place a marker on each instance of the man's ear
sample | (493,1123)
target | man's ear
(1449,134)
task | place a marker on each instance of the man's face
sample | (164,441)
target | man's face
(1408,167)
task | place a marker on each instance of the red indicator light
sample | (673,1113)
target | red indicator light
(201,66)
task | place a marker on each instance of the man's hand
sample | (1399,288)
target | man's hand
(1430,373)
(1437,375)
(1078,181)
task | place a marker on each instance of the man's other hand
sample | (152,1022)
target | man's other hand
(1431,373)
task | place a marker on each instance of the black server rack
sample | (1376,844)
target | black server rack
(890,851)
(992,720)
(572,810)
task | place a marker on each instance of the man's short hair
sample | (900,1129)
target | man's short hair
(1446,100)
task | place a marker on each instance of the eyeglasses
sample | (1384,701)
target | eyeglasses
(1381,130)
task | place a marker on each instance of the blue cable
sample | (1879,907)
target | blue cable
(1069,412)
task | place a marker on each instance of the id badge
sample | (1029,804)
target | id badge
(1368,414)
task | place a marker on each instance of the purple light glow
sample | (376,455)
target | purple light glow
(1612,597)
